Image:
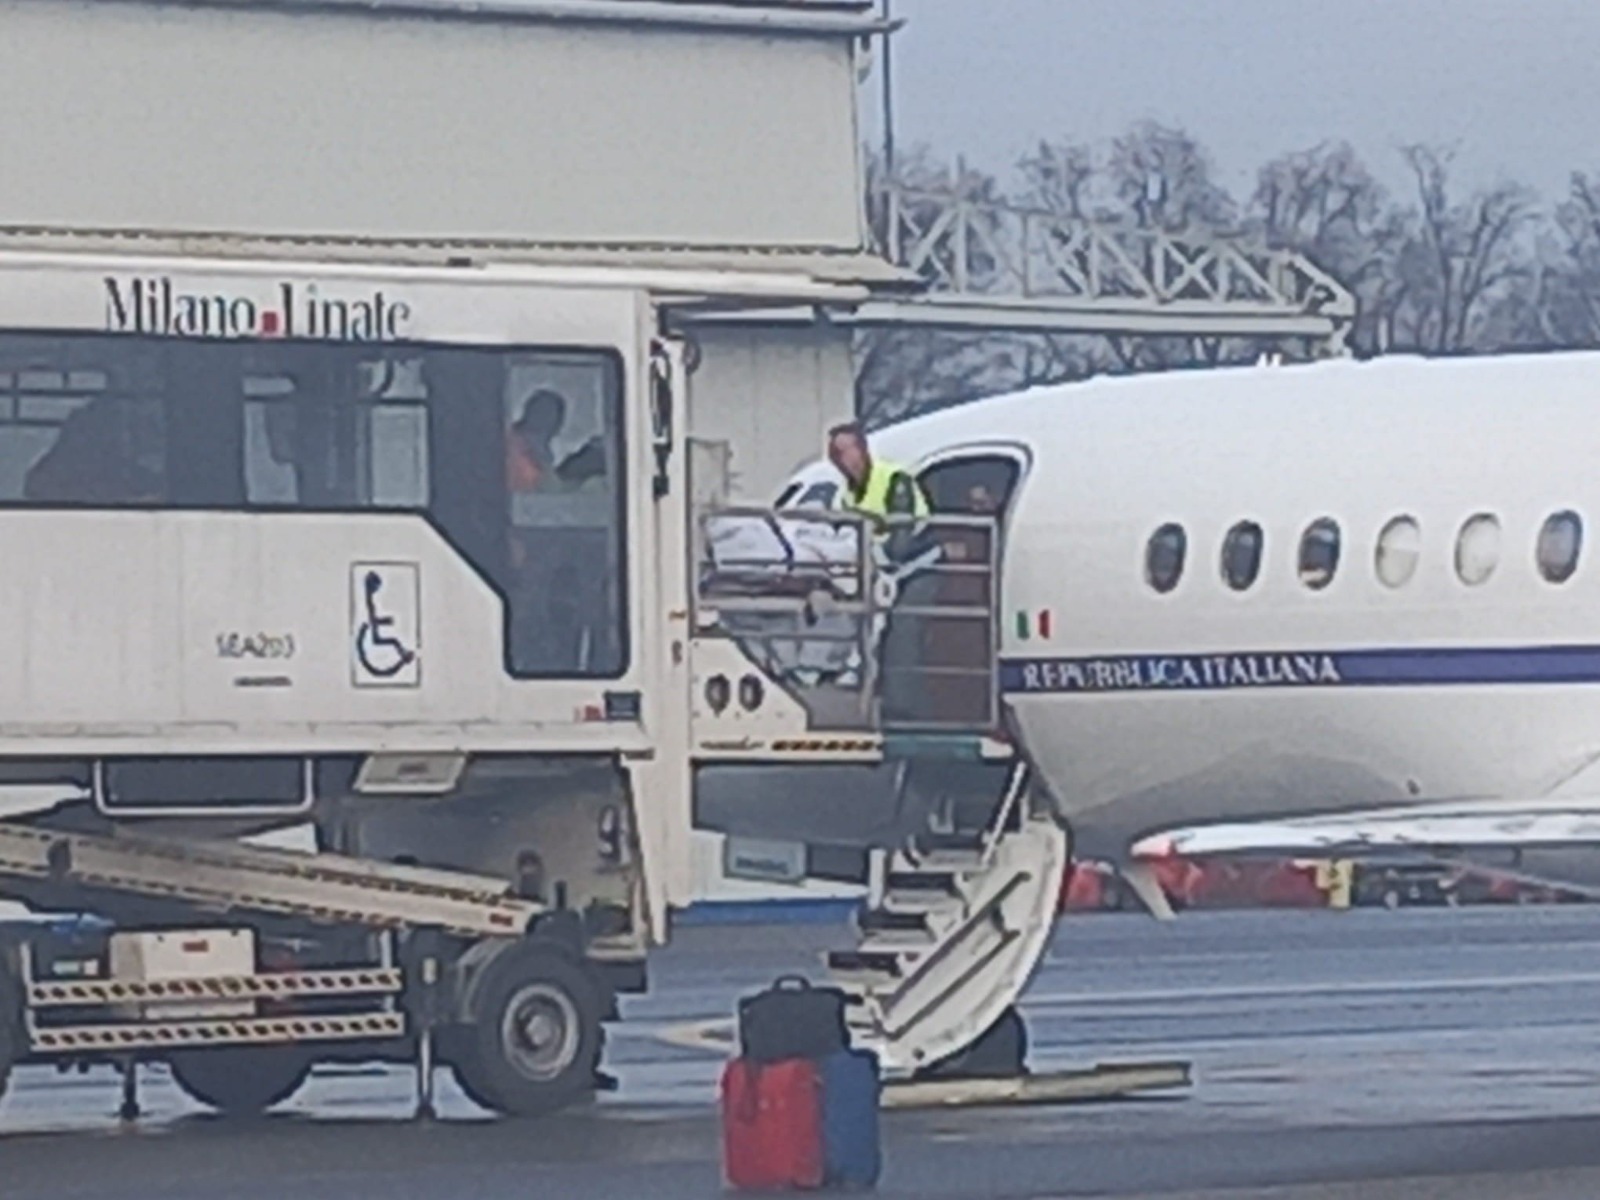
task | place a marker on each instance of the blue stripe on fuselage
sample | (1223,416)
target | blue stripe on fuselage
(1396,667)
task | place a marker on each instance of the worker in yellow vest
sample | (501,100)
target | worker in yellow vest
(875,488)
(881,490)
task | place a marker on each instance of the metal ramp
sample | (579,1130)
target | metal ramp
(952,931)
(226,877)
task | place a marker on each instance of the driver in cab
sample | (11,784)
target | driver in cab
(557,579)
(877,489)
(530,448)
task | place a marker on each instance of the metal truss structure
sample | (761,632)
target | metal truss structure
(994,265)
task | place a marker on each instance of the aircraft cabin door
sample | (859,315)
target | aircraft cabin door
(968,492)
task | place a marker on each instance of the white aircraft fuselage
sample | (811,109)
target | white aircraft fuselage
(1474,675)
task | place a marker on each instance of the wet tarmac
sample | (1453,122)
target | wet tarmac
(1374,1054)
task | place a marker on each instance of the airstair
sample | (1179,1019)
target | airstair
(951,932)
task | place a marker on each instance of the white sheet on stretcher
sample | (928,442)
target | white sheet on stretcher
(742,546)
(745,550)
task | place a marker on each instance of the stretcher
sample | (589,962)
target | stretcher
(815,561)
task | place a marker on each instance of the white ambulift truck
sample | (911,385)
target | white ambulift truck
(411,554)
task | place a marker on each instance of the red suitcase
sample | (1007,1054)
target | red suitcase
(772,1125)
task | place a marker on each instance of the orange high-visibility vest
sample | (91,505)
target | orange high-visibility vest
(522,473)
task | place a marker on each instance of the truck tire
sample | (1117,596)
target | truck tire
(531,1041)
(240,1081)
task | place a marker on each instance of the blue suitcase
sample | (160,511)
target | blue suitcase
(852,1155)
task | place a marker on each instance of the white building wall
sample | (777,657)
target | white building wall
(771,392)
(248,118)
(388,124)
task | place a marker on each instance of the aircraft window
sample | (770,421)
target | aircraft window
(1478,549)
(1560,541)
(1399,549)
(1241,555)
(818,495)
(1163,557)
(1319,553)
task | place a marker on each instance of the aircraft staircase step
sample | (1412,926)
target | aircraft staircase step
(922,901)
(942,862)
(922,881)
(865,962)
(899,941)
(861,1023)
(877,920)
(961,839)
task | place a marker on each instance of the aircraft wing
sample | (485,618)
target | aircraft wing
(1546,823)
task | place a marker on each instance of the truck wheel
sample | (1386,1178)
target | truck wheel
(240,1081)
(531,1044)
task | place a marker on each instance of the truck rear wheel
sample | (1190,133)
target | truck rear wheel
(240,1081)
(531,1044)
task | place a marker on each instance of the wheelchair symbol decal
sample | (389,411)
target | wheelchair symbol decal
(384,619)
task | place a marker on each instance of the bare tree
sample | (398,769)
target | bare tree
(1568,291)
(1325,204)
(1463,257)
(911,217)
(1445,273)
(1060,177)
(935,218)
(1162,176)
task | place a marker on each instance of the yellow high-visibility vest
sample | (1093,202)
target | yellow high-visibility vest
(874,498)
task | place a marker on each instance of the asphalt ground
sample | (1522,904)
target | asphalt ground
(1421,1053)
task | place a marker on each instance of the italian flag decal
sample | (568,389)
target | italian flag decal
(1033,624)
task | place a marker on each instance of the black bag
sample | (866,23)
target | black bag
(792,1019)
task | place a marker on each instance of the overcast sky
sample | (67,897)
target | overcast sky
(1515,82)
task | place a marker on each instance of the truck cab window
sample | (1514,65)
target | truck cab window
(563,502)
(74,435)
(335,427)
